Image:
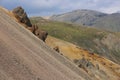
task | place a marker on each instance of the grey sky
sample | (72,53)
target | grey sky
(50,7)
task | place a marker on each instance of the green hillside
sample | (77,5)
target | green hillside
(91,39)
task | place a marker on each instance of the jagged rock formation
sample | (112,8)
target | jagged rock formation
(22,17)
(84,63)
(40,33)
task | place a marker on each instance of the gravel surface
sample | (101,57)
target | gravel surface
(24,57)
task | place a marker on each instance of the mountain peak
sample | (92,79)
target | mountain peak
(81,16)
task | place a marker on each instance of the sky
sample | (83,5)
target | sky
(52,7)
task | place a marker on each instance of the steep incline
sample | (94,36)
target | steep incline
(24,57)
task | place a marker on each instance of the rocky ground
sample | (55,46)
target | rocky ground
(23,56)
(93,64)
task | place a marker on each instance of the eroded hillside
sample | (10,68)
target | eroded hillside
(23,56)
(93,64)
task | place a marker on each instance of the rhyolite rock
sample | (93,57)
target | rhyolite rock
(22,17)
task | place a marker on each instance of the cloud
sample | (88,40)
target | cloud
(112,7)
(50,7)
(110,10)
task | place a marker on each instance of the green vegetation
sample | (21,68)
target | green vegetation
(88,38)
(79,35)
(110,22)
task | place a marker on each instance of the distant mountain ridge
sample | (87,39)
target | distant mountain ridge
(110,22)
(92,18)
(79,16)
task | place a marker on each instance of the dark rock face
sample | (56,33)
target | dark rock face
(89,67)
(56,49)
(41,34)
(21,15)
(38,32)
(84,63)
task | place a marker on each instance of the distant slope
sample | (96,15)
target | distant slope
(89,18)
(110,22)
(85,17)
(102,42)
(25,57)
(102,67)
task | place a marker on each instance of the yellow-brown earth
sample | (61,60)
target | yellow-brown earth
(73,52)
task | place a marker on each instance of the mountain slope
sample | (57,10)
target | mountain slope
(110,22)
(96,65)
(99,41)
(25,57)
(85,17)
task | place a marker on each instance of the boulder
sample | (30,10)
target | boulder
(41,34)
(21,15)
(38,32)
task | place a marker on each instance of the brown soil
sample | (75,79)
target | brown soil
(73,52)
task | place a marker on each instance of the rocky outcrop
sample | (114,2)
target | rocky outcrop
(84,63)
(22,17)
(90,68)
(39,33)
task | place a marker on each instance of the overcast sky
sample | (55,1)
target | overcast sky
(50,7)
